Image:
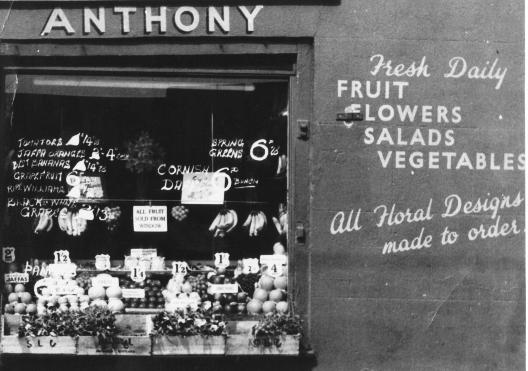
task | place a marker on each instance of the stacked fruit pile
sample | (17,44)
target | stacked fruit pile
(269,296)
(19,301)
(179,212)
(199,284)
(153,296)
(106,298)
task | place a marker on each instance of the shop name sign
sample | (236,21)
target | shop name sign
(149,20)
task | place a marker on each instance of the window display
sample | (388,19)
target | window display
(146,196)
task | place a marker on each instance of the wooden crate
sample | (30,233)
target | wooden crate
(38,345)
(122,345)
(11,324)
(179,345)
(133,324)
(240,344)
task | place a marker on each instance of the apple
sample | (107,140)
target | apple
(242,297)
(218,280)
(9,288)
(241,308)
(9,308)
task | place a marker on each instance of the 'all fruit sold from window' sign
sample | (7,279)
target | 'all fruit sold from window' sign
(150,20)
(150,218)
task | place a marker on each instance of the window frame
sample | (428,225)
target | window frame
(119,58)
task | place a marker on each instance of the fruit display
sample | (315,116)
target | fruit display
(281,223)
(112,217)
(43,223)
(226,220)
(19,301)
(153,298)
(247,282)
(255,223)
(71,223)
(179,212)
(270,296)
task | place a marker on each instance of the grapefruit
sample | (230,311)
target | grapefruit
(268,306)
(25,297)
(275,295)
(20,287)
(12,298)
(114,292)
(96,292)
(281,282)
(282,307)
(9,288)
(20,308)
(116,305)
(260,294)
(266,283)
(31,309)
(254,306)
(9,308)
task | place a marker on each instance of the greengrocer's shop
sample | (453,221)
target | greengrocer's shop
(312,185)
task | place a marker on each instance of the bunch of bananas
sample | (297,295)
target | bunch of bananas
(44,223)
(70,222)
(224,223)
(282,222)
(256,222)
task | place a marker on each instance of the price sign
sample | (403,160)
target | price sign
(62,256)
(102,262)
(105,280)
(133,293)
(179,268)
(221,260)
(227,288)
(275,270)
(137,274)
(16,277)
(8,254)
(250,266)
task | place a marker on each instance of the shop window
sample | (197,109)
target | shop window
(149,174)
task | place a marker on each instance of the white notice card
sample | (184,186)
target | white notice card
(203,188)
(150,218)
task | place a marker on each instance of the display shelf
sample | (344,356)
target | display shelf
(133,339)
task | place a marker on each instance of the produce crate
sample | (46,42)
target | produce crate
(11,324)
(239,341)
(133,324)
(38,345)
(122,345)
(240,344)
(196,345)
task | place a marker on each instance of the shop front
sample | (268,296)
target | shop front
(261,186)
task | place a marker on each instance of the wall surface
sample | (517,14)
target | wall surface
(441,287)
(453,306)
